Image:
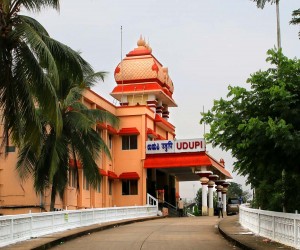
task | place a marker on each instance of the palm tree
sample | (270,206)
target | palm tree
(261,4)
(77,140)
(30,62)
(296,19)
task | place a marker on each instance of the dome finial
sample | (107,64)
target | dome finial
(141,42)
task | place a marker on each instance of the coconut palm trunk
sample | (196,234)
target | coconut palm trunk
(278,25)
(261,4)
(53,194)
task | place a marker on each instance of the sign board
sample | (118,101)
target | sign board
(175,146)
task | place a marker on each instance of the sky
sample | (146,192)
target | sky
(207,46)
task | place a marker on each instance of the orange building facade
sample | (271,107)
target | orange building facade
(144,91)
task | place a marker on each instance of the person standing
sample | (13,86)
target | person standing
(180,207)
(220,207)
(241,200)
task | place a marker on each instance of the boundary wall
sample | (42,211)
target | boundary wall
(280,227)
(16,228)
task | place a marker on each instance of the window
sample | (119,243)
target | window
(98,188)
(99,131)
(129,187)
(110,183)
(73,178)
(129,142)
(10,149)
(110,141)
(86,184)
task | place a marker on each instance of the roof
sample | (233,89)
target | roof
(185,161)
(140,72)
(129,131)
(219,166)
(102,172)
(151,133)
(73,163)
(129,176)
(111,175)
(182,160)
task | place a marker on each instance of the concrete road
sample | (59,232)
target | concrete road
(168,233)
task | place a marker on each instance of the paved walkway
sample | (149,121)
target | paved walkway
(155,233)
(168,233)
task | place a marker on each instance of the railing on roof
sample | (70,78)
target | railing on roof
(15,228)
(280,227)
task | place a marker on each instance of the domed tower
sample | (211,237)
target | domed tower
(142,80)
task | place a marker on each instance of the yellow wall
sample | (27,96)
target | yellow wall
(15,193)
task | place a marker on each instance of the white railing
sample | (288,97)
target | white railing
(152,201)
(15,228)
(279,227)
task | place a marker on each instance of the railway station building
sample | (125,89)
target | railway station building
(146,156)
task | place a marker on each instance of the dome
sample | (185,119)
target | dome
(140,66)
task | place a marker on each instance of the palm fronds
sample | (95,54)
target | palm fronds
(296,19)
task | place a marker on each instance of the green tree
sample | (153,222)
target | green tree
(296,19)
(78,140)
(198,198)
(261,128)
(30,62)
(235,191)
(261,4)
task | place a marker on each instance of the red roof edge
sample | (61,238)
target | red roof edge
(129,131)
(139,52)
(111,175)
(151,133)
(129,176)
(111,130)
(159,137)
(159,119)
(72,163)
(219,166)
(102,172)
(101,125)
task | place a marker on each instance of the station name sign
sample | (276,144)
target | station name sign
(176,146)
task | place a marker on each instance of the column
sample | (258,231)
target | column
(204,181)
(165,112)
(212,178)
(219,187)
(152,102)
(203,174)
(224,193)
(159,108)
(219,191)
(224,190)
(210,198)
(124,101)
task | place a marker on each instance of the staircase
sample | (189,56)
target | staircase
(171,208)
